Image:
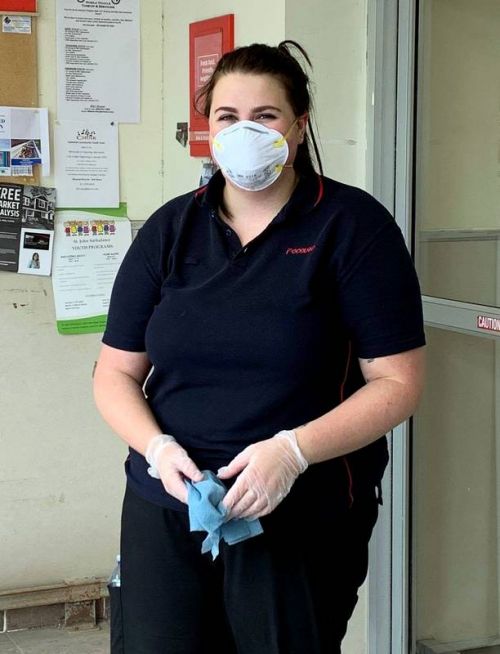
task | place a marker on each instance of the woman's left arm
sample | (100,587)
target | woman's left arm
(267,470)
(393,388)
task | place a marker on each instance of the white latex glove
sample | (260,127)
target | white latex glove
(267,470)
(171,463)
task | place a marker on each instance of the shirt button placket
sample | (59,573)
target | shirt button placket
(230,235)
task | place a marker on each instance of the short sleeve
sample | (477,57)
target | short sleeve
(379,296)
(136,291)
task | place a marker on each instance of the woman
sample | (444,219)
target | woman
(275,317)
(34,262)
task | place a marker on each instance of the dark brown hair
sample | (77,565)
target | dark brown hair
(261,59)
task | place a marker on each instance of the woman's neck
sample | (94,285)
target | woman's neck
(258,206)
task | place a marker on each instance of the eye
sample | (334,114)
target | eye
(265,117)
(226,118)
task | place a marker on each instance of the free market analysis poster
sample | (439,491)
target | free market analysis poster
(89,247)
(26,228)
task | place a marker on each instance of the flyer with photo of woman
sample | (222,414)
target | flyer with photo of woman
(26,228)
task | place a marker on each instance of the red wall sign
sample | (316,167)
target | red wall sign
(17,6)
(208,41)
(489,323)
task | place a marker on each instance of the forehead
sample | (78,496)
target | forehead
(244,90)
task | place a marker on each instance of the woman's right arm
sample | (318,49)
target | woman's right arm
(118,380)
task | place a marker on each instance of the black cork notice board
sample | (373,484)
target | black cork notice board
(18,80)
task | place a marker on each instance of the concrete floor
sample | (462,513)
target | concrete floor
(56,641)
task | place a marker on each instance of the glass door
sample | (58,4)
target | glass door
(455,466)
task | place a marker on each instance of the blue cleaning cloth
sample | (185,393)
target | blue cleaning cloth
(206,513)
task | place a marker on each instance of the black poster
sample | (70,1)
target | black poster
(27,216)
(11,199)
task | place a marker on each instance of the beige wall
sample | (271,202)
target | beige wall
(61,477)
(334,35)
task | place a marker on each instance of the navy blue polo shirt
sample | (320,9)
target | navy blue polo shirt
(247,341)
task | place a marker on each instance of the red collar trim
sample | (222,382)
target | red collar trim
(201,190)
(321,190)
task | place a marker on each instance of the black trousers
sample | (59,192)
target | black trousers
(290,590)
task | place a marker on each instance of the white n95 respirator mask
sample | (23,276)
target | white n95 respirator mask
(251,155)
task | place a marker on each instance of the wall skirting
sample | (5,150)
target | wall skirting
(77,605)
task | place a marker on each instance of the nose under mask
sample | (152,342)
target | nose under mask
(251,155)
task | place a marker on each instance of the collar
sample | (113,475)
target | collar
(306,196)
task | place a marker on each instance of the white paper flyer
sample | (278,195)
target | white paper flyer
(86,163)
(98,41)
(88,250)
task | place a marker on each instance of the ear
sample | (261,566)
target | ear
(302,125)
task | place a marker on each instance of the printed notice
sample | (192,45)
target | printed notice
(86,164)
(24,140)
(98,42)
(16,24)
(88,250)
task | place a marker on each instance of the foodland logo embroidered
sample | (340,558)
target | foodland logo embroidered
(489,323)
(304,250)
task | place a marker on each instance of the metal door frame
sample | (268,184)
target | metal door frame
(391,100)
(389,165)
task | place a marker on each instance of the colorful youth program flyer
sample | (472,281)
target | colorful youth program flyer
(88,250)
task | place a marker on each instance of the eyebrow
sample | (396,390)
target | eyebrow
(264,107)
